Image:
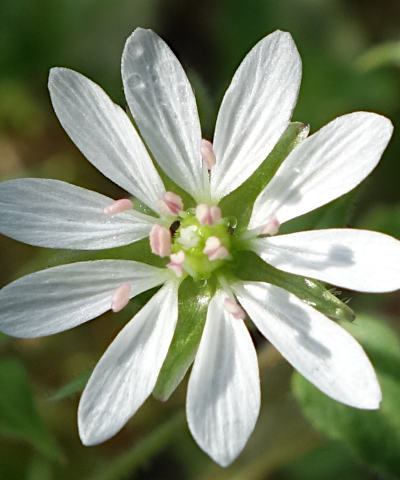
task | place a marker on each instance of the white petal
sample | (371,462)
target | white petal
(55,214)
(355,259)
(127,372)
(60,298)
(104,134)
(255,111)
(323,167)
(322,351)
(163,105)
(223,397)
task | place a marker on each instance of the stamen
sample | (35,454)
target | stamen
(214,249)
(170,204)
(120,297)
(272,227)
(207,153)
(234,309)
(118,206)
(160,241)
(176,263)
(215,214)
(208,215)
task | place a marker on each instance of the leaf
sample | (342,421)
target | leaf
(193,303)
(373,436)
(245,196)
(18,415)
(249,266)
(74,386)
(378,56)
(39,469)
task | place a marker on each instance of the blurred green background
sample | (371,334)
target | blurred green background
(351,58)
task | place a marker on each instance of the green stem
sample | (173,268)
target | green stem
(142,451)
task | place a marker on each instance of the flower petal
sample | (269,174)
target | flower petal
(127,372)
(324,166)
(104,134)
(55,214)
(223,397)
(322,351)
(355,259)
(255,110)
(60,298)
(163,105)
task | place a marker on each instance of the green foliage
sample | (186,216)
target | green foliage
(379,56)
(71,388)
(249,266)
(18,415)
(125,464)
(39,469)
(374,436)
(335,214)
(193,302)
(331,461)
(240,202)
(384,218)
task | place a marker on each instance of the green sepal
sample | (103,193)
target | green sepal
(240,202)
(193,303)
(249,266)
(372,435)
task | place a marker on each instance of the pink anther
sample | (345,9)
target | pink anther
(118,206)
(272,227)
(120,297)
(208,215)
(170,204)
(234,309)
(207,153)
(160,241)
(214,249)
(176,263)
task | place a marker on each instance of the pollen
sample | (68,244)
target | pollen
(160,241)
(234,309)
(207,153)
(120,297)
(170,204)
(272,227)
(118,206)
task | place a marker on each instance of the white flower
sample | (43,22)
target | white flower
(223,396)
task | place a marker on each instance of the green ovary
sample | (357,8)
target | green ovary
(191,237)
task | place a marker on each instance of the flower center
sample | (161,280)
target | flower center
(201,243)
